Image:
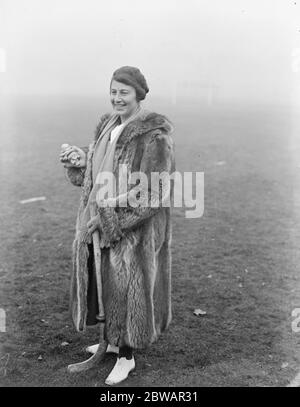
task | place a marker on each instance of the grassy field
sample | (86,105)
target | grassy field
(239,262)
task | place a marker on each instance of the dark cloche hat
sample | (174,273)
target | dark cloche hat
(133,77)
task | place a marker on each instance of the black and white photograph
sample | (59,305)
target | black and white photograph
(150,196)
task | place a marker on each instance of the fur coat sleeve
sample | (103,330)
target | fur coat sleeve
(158,158)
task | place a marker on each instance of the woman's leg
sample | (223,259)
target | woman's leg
(125,352)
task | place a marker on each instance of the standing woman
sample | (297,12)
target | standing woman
(135,240)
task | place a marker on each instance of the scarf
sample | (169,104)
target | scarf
(102,161)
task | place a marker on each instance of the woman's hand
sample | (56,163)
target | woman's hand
(72,156)
(93,224)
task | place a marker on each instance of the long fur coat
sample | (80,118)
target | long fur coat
(136,258)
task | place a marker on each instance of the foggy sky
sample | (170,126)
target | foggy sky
(242,48)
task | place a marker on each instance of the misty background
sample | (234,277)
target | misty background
(197,50)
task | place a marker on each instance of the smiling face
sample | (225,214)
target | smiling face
(123,99)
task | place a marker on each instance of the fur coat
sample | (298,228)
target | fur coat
(136,258)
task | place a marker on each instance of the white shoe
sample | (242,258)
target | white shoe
(110,349)
(120,371)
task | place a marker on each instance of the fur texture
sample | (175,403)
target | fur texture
(135,241)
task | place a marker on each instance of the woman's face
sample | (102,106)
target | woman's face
(123,98)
